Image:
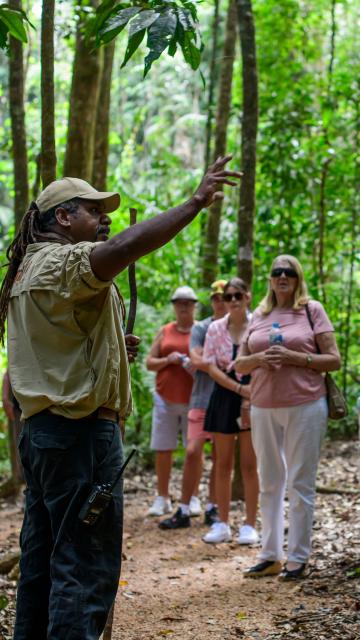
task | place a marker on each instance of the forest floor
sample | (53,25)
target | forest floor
(173,585)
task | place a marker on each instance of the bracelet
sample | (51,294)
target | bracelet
(238,389)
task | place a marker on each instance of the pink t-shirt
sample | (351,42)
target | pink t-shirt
(287,386)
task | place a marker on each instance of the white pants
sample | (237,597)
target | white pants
(287,445)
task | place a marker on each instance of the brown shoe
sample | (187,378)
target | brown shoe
(263,569)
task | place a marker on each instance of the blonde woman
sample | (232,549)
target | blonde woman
(288,411)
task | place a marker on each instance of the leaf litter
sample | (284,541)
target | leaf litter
(199,589)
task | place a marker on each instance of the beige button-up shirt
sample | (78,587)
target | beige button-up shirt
(66,344)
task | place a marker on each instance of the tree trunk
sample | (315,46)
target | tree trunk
(18,129)
(212,78)
(210,255)
(210,116)
(84,96)
(329,104)
(248,139)
(101,145)
(248,165)
(48,153)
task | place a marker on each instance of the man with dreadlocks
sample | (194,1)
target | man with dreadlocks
(69,372)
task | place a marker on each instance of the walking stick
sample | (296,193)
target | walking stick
(129,329)
(132,284)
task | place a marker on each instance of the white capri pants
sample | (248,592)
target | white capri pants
(287,444)
(168,420)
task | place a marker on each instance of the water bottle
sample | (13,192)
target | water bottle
(275,335)
(186,364)
(185,361)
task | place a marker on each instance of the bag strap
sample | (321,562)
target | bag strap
(307,309)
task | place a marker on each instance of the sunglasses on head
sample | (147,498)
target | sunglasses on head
(236,296)
(289,272)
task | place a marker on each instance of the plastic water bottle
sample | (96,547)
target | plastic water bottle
(275,335)
(186,364)
(185,361)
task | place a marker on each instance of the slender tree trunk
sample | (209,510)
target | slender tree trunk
(48,153)
(210,115)
(248,139)
(18,129)
(354,239)
(84,96)
(248,165)
(212,79)
(101,145)
(210,255)
(329,104)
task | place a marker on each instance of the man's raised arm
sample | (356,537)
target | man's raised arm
(114,255)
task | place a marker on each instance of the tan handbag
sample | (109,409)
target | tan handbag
(335,399)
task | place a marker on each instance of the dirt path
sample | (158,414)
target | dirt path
(173,585)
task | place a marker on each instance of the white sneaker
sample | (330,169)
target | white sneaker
(247,535)
(160,506)
(219,532)
(195,506)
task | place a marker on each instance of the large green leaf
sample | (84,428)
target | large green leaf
(190,51)
(186,20)
(142,21)
(159,37)
(14,22)
(133,43)
(116,23)
(103,12)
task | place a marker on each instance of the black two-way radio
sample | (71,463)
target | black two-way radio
(100,497)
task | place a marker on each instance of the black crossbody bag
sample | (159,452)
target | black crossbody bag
(335,399)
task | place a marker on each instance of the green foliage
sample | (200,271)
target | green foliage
(12,23)
(168,24)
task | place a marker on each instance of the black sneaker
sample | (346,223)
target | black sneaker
(178,521)
(294,574)
(211,516)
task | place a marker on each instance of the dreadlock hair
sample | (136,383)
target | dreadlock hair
(33,228)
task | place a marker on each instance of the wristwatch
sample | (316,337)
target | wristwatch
(309,360)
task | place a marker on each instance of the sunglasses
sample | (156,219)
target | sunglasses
(228,297)
(290,273)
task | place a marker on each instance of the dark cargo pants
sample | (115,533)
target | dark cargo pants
(69,571)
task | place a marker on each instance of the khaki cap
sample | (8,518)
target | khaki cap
(62,190)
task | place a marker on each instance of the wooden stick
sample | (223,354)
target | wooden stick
(129,329)
(132,284)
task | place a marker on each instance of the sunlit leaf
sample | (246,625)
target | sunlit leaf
(142,21)
(14,22)
(116,23)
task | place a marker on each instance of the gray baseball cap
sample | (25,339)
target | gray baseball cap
(184,293)
(62,190)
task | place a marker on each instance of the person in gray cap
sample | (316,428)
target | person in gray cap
(69,372)
(169,358)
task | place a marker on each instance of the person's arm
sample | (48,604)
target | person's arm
(221,378)
(6,397)
(246,362)
(327,360)
(197,359)
(155,362)
(111,257)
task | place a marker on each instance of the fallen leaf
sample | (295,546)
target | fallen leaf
(123,583)
(241,615)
